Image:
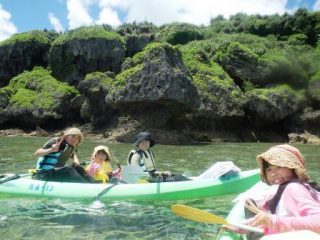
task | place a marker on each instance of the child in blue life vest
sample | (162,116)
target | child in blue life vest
(55,153)
(100,168)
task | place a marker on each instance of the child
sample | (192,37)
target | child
(142,155)
(55,153)
(295,205)
(100,168)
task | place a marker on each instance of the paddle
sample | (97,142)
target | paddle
(10,177)
(199,215)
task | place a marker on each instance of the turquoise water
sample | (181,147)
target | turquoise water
(30,218)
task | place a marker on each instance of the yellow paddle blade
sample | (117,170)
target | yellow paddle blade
(197,215)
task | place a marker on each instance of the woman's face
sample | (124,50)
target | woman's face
(278,175)
(144,144)
(72,139)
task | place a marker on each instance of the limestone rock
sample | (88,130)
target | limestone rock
(22,52)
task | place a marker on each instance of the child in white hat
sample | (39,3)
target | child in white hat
(100,168)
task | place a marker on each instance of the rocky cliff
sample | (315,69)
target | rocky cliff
(178,81)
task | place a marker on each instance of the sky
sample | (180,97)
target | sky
(17,16)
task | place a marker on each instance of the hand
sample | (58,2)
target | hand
(55,147)
(164,173)
(260,219)
(231,228)
(250,204)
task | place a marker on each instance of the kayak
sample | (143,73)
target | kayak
(236,214)
(26,186)
(295,235)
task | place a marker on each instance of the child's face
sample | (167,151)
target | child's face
(101,156)
(144,144)
(72,139)
(278,175)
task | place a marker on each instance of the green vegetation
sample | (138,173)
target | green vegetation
(101,77)
(207,75)
(137,28)
(85,33)
(38,90)
(314,88)
(43,37)
(123,76)
(179,33)
(148,50)
(281,90)
(301,22)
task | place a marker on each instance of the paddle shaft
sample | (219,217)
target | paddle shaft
(199,215)
(13,177)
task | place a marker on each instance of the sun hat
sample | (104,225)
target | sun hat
(75,131)
(102,148)
(143,136)
(283,156)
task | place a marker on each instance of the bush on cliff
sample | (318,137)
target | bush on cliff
(179,33)
(36,97)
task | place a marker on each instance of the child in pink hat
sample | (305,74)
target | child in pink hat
(296,204)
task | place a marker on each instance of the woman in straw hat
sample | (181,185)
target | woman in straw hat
(55,153)
(296,204)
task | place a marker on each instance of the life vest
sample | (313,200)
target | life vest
(48,161)
(147,163)
(55,159)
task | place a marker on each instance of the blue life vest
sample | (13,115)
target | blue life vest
(48,161)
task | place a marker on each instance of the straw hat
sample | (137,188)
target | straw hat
(102,148)
(75,131)
(284,156)
(143,136)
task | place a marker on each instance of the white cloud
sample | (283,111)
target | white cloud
(108,16)
(193,11)
(316,5)
(78,14)
(55,22)
(166,11)
(7,28)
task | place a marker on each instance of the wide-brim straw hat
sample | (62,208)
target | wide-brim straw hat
(143,136)
(102,148)
(75,131)
(284,156)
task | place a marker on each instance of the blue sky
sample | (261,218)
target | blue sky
(18,16)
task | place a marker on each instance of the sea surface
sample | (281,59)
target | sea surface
(37,218)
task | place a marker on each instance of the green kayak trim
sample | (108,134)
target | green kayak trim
(141,191)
